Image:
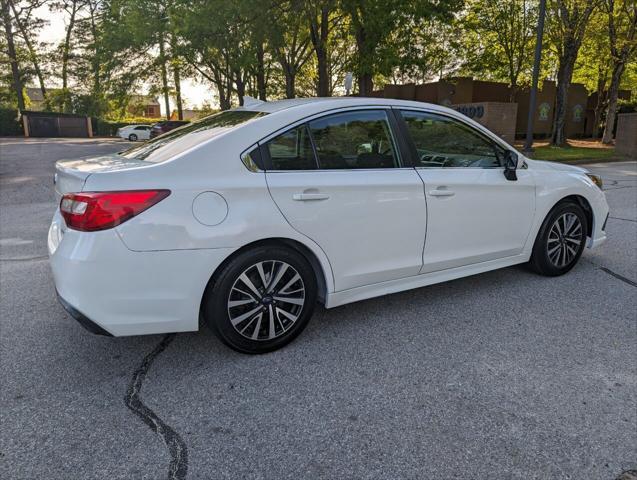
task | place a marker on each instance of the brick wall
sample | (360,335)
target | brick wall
(499,117)
(626,138)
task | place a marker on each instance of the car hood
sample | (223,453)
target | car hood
(561,167)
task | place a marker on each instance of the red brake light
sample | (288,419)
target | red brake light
(92,211)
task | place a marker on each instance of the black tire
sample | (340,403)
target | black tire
(545,259)
(132,137)
(227,285)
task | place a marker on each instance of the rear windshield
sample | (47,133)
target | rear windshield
(181,139)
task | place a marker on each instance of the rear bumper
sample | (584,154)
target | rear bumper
(113,290)
(82,319)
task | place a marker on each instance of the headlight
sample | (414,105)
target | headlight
(597,180)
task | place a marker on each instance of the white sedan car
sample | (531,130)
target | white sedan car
(134,132)
(246,219)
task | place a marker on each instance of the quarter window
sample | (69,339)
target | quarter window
(354,140)
(444,142)
(292,150)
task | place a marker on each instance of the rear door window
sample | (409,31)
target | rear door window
(360,139)
(292,150)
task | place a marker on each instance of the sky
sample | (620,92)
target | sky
(193,93)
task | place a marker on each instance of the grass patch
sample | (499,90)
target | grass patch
(573,154)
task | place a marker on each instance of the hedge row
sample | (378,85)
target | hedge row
(9,123)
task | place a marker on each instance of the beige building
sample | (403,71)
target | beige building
(36,99)
(188,114)
(466,92)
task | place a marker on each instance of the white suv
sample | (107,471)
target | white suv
(245,219)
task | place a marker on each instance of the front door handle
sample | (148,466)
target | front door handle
(307,197)
(441,192)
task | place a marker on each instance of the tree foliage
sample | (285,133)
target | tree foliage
(268,49)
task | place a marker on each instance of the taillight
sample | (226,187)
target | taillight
(92,211)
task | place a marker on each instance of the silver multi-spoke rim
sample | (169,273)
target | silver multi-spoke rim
(565,238)
(266,300)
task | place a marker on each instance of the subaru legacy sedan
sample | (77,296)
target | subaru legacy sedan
(246,219)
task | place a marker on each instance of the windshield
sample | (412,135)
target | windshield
(185,137)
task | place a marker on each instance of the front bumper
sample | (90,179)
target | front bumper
(119,292)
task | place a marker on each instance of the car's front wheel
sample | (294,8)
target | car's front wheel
(132,137)
(261,300)
(560,241)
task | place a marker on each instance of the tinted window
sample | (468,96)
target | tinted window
(358,139)
(443,142)
(189,135)
(292,150)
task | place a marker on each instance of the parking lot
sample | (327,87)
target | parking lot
(502,375)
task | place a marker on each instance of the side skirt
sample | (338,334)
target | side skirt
(336,299)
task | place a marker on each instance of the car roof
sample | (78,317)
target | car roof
(337,102)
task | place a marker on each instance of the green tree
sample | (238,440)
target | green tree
(570,19)
(622,28)
(12,53)
(373,24)
(499,39)
(28,27)
(593,65)
(72,10)
(289,39)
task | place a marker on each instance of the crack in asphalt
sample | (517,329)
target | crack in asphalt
(177,448)
(618,276)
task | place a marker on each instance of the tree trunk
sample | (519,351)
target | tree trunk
(177,79)
(513,91)
(365,84)
(613,93)
(365,53)
(564,77)
(290,83)
(13,59)
(164,75)
(241,86)
(32,54)
(601,98)
(66,49)
(96,91)
(260,74)
(319,32)
(224,93)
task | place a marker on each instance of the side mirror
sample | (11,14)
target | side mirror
(510,165)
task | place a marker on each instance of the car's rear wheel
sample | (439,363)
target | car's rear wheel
(261,300)
(560,241)
(132,137)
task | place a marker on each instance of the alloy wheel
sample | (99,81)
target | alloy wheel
(564,240)
(266,300)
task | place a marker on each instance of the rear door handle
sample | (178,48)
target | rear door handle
(307,197)
(441,193)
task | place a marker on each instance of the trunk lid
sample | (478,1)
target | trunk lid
(70,175)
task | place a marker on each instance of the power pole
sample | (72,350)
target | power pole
(528,144)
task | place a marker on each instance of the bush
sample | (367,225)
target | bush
(9,123)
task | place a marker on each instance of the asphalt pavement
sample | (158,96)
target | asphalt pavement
(504,375)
